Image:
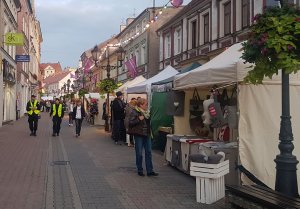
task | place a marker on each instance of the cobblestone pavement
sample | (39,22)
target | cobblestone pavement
(89,172)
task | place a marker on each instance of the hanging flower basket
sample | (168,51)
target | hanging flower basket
(107,86)
(82,92)
(273,43)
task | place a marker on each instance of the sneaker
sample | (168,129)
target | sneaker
(152,174)
(54,135)
(31,134)
(141,174)
(34,134)
(69,124)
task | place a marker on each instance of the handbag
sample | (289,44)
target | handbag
(196,104)
(224,133)
(216,114)
(232,116)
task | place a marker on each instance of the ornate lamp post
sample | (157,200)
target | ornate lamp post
(120,57)
(68,85)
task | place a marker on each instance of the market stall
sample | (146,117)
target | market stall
(259,108)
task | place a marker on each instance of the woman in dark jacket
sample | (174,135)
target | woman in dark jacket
(139,127)
(78,115)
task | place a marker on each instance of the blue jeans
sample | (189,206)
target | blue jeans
(140,143)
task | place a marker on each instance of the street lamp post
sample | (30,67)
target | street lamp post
(68,85)
(120,57)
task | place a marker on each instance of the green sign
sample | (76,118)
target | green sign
(15,39)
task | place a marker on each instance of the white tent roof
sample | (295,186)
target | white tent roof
(145,86)
(133,82)
(227,67)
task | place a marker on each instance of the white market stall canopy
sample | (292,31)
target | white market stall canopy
(131,83)
(92,96)
(45,98)
(145,86)
(227,67)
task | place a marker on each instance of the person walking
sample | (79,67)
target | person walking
(33,111)
(57,113)
(78,115)
(71,105)
(139,127)
(118,114)
(48,105)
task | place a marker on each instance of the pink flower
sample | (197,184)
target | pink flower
(290,47)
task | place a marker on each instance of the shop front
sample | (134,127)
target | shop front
(9,91)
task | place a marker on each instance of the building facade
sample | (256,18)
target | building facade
(139,40)
(8,69)
(28,71)
(205,28)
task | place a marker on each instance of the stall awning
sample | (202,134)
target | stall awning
(137,80)
(145,86)
(227,67)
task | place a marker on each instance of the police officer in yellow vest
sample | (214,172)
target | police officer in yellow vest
(57,113)
(33,111)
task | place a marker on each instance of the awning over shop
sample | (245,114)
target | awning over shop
(227,67)
(131,83)
(145,86)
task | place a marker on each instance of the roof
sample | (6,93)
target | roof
(55,66)
(56,78)
(187,9)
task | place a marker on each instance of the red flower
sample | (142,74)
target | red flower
(298,19)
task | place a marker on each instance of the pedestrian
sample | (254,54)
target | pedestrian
(48,105)
(118,114)
(71,105)
(33,111)
(57,113)
(128,109)
(139,127)
(78,115)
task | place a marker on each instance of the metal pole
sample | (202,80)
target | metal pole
(107,99)
(286,162)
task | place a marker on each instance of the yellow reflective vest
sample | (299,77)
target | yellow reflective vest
(59,112)
(30,112)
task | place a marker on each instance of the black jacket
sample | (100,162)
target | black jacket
(137,126)
(118,109)
(74,112)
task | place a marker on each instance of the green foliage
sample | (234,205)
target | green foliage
(274,43)
(82,92)
(107,86)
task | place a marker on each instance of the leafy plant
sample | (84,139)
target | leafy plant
(82,92)
(107,86)
(273,43)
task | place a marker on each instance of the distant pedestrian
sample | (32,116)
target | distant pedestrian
(78,115)
(71,105)
(118,116)
(33,111)
(139,126)
(57,113)
(48,105)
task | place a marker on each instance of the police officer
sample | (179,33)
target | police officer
(33,111)
(57,113)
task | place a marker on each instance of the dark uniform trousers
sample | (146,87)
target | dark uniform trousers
(56,124)
(33,122)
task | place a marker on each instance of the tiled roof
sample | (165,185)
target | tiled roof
(185,11)
(56,78)
(55,66)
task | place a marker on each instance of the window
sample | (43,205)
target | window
(144,23)
(167,46)
(137,57)
(177,41)
(194,34)
(143,54)
(206,28)
(138,29)
(245,13)
(227,18)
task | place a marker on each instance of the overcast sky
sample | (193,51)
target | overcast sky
(69,27)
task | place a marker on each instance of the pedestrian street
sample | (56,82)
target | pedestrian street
(87,172)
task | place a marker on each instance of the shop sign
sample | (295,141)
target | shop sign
(22,58)
(15,39)
(9,72)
